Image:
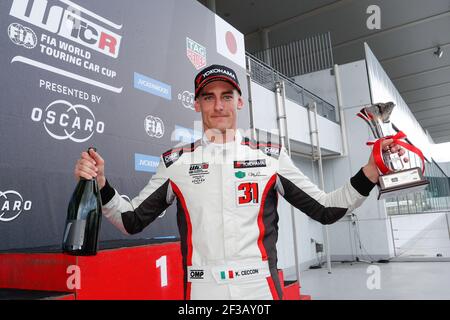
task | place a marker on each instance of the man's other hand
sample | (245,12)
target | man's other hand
(371,170)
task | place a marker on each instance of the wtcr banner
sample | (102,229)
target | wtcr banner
(117,75)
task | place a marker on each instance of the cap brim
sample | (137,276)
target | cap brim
(216,78)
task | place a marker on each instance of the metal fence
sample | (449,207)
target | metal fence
(301,56)
(267,76)
(435,198)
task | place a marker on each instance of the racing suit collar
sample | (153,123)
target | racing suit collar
(237,139)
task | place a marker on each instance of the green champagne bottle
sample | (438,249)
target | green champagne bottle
(84,216)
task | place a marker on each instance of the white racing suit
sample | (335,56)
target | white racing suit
(227,212)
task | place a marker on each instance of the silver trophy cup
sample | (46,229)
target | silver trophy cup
(400,178)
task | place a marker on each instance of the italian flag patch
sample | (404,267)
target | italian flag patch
(226,275)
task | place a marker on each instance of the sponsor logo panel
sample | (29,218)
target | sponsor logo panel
(243,164)
(154,126)
(146,163)
(187,99)
(152,86)
(69,24)
(22,36)
(196,53)
(63,120)
(197,274)
(67,33)
(12,205)
(198,171)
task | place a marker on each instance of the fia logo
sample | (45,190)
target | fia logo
(154,127)
(22,36)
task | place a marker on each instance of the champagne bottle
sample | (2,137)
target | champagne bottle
(84,216)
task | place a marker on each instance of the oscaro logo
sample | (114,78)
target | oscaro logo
(187,99)
(154,126)
(12,205)
(69,24)
(63,120)
(22,36)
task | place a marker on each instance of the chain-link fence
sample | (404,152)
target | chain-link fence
(267,76)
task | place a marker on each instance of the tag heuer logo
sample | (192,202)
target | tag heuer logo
(196,53)
(239,174)
(250,164)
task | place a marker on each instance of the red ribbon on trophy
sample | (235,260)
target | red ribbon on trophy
(393,181)
(377,151)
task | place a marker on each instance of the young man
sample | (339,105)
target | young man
(226,190)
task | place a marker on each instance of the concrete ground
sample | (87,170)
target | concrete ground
(378,281)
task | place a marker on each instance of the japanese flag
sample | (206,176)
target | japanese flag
(230,42)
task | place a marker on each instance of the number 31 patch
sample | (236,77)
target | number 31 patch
(247,193)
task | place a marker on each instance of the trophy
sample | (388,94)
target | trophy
(395,178)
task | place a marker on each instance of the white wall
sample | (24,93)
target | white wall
(297,122)
(354,84)
(329,134)
(307,229)
(383,90)
(421,235)
(321,83)
(370,236)
(265,118)
(372,226)
(298,128)
(373,229)
(264,109)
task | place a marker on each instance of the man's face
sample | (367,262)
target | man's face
(218,102)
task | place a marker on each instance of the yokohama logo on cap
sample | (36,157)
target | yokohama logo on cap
(215,73)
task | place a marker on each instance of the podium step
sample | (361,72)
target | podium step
(19,294)
(122,269)
(128,269)
(291,290)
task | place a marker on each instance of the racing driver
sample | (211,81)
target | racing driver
(226,188)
